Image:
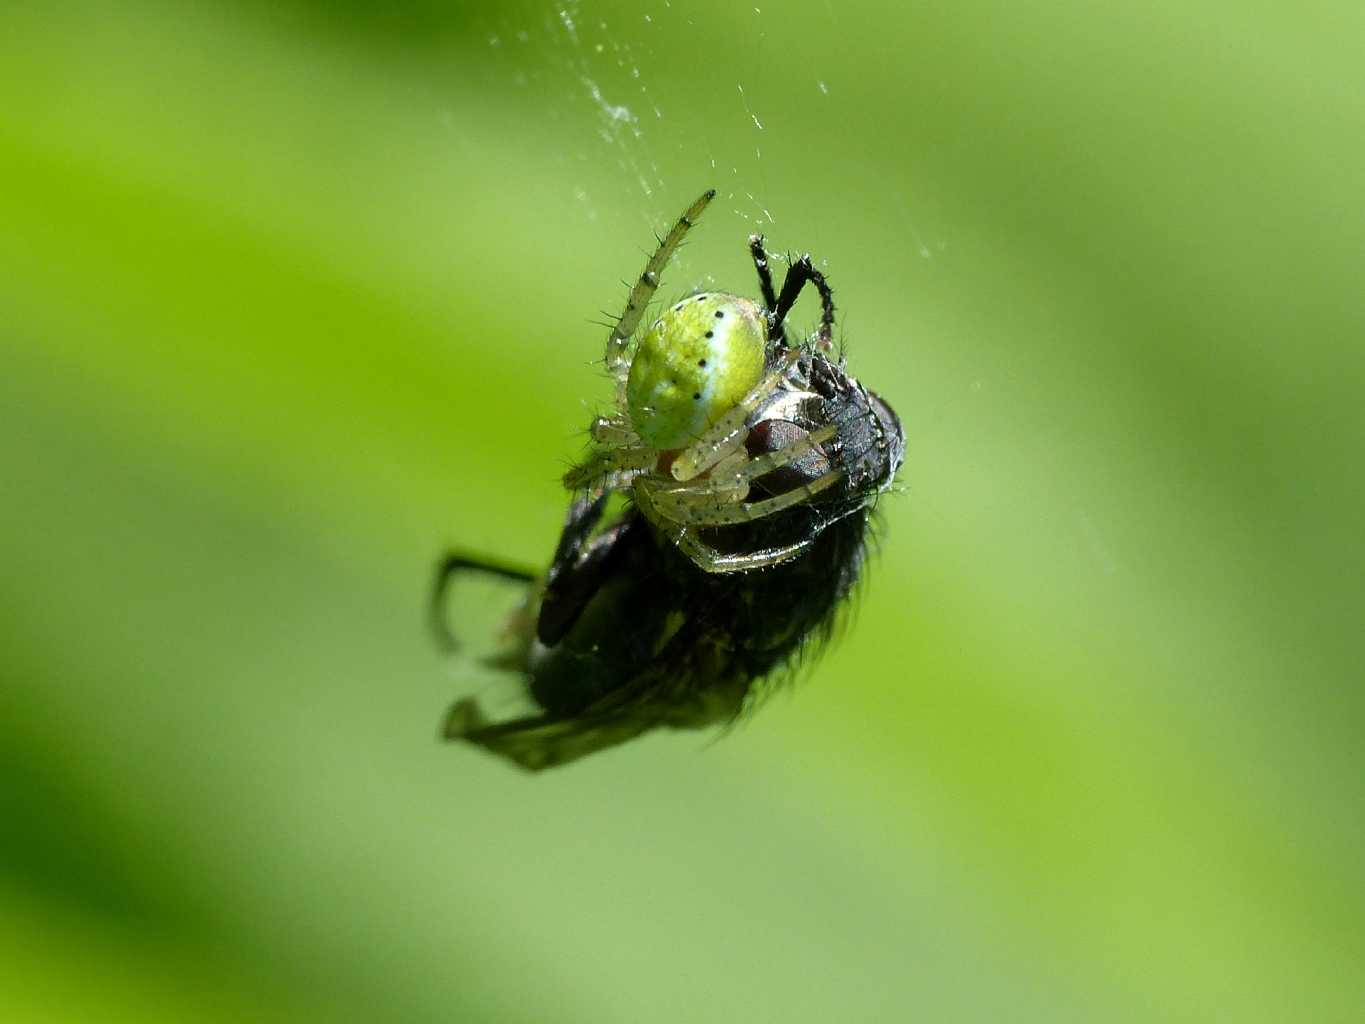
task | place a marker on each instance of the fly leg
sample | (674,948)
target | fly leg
(582,561)
(799,274)
(447,569)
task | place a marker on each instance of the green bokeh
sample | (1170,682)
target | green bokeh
(293,296)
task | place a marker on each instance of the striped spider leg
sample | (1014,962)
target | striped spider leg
(726,436)
(679,510)
(618,361)
(728,481)
(611,468)
(708,558)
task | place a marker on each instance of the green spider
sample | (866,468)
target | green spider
(752,464)
(685,395)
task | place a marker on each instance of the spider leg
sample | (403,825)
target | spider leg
(447,569)
(709,559)
(727,434)
(752,469)
(765,277)
(705,509)
(667,504)
(799,274)
(729,478)
(603,464)
(614,430)
(617,362)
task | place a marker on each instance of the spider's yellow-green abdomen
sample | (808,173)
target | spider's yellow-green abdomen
(692,366)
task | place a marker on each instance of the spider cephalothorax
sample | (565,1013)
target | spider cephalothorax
(714,403)
(751,462)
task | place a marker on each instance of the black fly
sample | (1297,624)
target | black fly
(751,463)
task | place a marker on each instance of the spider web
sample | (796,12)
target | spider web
(635,145)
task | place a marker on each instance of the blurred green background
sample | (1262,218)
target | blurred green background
(294,295)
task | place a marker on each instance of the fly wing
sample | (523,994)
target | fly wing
(541,741)
(681,689)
